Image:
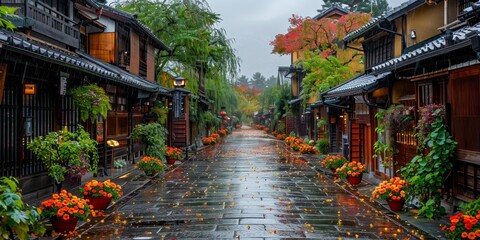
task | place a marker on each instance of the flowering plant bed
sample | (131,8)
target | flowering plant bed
(209,141)
(65,205)
(391,189)
(151,165)
(465,224)
(281,136)
(173,152)
(215,135)
(106,188)
(334,161)
(222,132)
(351,169)
(307,149)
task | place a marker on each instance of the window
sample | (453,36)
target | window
(432,91)
(378,50)
(143,57)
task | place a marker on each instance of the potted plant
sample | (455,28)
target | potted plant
(209,141)
(92,101)
(100,194)
(334,161)
(161,112)
(352,171)
(222,132)
(392,191)
(173,154)
(64,210)
(16,217)
(307,149)
(152,136)
(150,165)
(66,154)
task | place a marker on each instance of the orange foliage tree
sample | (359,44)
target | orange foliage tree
(316,42)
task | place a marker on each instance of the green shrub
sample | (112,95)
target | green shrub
(153,136)
(323,146)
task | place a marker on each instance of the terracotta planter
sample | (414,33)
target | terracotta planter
(354,180)
(396,205)
(170,160)
(60,225)
(99,203)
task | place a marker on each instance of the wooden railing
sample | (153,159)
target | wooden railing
(49,21)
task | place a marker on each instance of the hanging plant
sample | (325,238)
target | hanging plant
(91,100)
(427,171)
(161,112)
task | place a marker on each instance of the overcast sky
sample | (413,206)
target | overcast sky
(253,24)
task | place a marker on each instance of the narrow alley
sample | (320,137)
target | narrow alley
(245,188)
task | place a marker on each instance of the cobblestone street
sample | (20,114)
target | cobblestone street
(247,187)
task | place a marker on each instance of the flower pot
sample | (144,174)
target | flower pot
(61,225)
(170,160)
(396,205)
(354,180)
(99,203)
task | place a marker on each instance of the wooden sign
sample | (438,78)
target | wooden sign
(3,76)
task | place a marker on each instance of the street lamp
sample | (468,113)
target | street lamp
(180,111)
(179,82)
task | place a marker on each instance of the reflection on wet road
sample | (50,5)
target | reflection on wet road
(245,188)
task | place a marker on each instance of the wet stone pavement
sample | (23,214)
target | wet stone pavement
(246,188)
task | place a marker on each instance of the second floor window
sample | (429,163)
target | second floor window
(378,51)
(143,57)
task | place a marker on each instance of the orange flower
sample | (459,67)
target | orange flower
(389,188)
(106,188)
(471,235)
(64,205)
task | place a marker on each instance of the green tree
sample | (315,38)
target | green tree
(190,30)
(375,7)
(242,80)
(7,13)
(258,81)
(271,81)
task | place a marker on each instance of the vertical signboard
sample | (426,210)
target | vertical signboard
(63,83)
(177,104)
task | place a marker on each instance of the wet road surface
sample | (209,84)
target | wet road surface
(246,188)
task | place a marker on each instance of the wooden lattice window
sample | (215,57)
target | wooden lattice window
(378,50)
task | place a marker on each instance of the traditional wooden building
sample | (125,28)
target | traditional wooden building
(307,113)
(412,63)
(57,46)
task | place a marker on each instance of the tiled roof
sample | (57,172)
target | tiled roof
(325,12)
(389,15)
(18,43)
(438,44)
(469,12)
(356,85)
(135,21)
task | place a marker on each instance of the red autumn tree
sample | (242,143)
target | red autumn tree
(319,36)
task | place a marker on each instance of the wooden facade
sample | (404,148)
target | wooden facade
(427,66)
(47,59)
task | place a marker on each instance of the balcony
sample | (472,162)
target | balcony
(48,21)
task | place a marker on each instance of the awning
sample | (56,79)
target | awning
(387,16)
(357,86)
(460,38)
(294,101)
